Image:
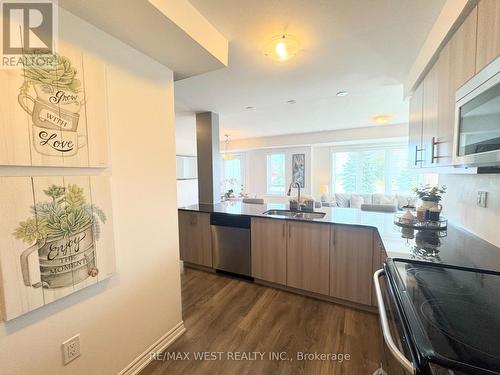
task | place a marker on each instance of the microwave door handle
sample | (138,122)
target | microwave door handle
(401,358)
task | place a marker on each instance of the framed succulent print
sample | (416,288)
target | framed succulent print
(53,111)
(56,239)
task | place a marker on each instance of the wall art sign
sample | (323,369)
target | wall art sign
(299,169)
(57,238)
(54,114)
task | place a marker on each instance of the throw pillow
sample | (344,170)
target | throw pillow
(389,200)
(357,201)
(342,200)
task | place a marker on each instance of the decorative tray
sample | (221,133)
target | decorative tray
(440,224)
(409,232)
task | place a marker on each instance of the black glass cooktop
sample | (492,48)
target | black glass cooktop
(452,314)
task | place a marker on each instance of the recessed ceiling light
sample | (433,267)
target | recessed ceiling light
(250,107)
(291,101)
(282,47)
(381,119)
(342,93)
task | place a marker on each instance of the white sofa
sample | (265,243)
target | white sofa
(355,200)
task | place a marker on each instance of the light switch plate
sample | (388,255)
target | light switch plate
(482,196)
(71,349)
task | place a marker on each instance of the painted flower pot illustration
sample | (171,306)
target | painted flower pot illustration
(47,115)
(54,106)
(67,99)
(63,261)
(62,232)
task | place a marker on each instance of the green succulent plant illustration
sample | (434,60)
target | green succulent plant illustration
(59,72)
(66,214)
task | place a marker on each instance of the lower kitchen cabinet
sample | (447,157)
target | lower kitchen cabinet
(195,238)
(351,264)
(308,256)
(379,257)
(269,250)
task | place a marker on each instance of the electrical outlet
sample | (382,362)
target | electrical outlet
(71,349)
(482,196)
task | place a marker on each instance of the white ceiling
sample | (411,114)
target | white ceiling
(365,47)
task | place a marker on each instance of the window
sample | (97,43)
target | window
(276,173)
(377,170)
(232,174)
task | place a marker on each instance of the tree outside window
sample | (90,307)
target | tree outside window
(373,171)
(276,173)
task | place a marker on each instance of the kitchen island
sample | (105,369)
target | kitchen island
(333,257)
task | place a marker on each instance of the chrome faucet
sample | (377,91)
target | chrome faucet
(297,185)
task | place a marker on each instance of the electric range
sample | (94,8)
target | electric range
(448,317)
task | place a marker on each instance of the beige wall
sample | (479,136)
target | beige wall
(185,144)
(321,161)
(185,133)
(119,318)
(256,172)
(460,204)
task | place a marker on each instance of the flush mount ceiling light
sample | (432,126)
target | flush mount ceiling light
(291,101)
(282,47)
(342,93)
(381,119)
(226,155)
(249,107)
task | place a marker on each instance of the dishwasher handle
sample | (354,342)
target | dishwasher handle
(400,357)
(230,220)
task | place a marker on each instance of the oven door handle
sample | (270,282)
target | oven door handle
(401,358)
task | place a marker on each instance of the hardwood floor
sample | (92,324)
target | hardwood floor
(227,315)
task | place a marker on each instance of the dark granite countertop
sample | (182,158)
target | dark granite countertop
(457,247)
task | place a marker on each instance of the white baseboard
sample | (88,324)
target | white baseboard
(138,364)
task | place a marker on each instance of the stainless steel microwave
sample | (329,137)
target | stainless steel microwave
(477,119)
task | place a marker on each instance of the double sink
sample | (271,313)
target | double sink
(304,215)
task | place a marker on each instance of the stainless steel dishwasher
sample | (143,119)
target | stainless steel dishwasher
(231,243)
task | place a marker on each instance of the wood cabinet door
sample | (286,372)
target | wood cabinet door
(462,63)
(430,114)
(415,128)
(442,142)
(269,250)
(195,238)
(488,32)
(308,256)
(351,264)
(379,257)
(455,66)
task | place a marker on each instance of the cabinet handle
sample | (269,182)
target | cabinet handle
(289,231)
(435,142)
(417,150)
(284,230)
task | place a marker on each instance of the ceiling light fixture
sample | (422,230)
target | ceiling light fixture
(250,107)
(226,155)
(382,119)
(291,101)
(342,93)
(282,47)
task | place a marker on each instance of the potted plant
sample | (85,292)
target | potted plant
(430,195)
